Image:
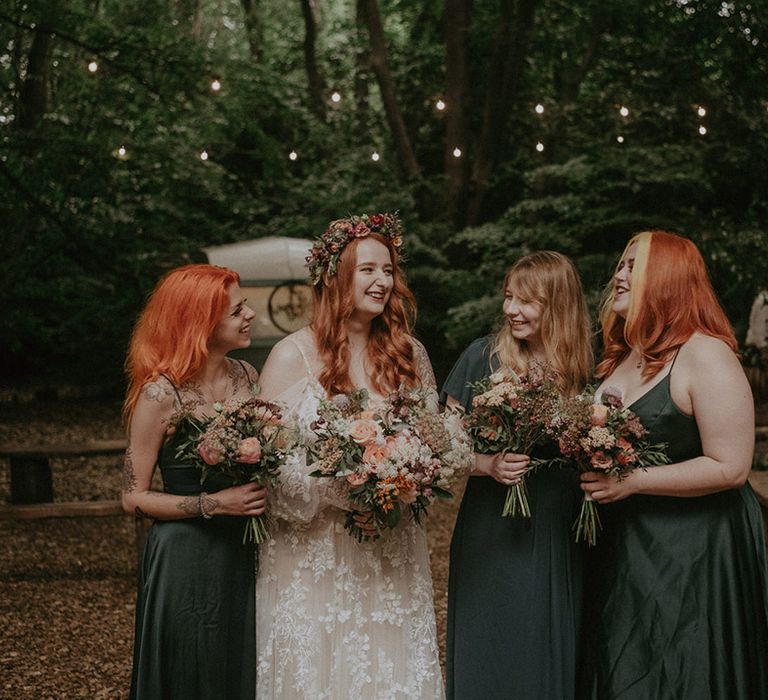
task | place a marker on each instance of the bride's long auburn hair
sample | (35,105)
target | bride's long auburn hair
(551,279)
(171,335)
(389,346)
(671,298)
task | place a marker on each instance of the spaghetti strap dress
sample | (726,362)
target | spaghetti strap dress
(678,587)
(195,635)
(514,590)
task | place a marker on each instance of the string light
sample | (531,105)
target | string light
(121,153)
(375,156)
(293,155)
(457,152)
(216,85)
(93,66)
(701,112)
(335,97)
(624,111)
(539,146)
(203,155)
(440,105)
(702,129)
(620,139)
(539,108)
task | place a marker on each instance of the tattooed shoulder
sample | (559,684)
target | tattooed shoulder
(157,391)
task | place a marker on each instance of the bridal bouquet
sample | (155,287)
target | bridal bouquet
(604,437)
(245,441)
(511,414)
(394,455)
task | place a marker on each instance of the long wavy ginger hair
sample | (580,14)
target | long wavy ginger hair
(389,346)
(172,333)
(671,298)
(551,279)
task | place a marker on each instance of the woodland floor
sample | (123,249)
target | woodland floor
(68,586)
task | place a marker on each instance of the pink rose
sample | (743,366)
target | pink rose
(356,479)
(249,451)
(364,431)
(210,454)
(599,415)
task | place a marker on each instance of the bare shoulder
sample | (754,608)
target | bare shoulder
(286,353)
(702,353)
(158,398)
(243,369)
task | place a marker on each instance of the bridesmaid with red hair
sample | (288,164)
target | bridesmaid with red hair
(680,592)
(195,622)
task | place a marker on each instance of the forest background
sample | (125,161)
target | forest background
(135,133)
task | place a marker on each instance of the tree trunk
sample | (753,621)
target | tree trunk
(517,19)
(380,66)
(457,21)
(362,72)
(316,83)
(252,27)
(33,96)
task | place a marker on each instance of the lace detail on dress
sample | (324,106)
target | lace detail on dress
(339,619)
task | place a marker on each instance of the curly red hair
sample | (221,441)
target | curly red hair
(172,333)
(389,349)
(672,298)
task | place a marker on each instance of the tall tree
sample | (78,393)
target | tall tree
(380,65)
(316,83)
(33,96)
(253,29)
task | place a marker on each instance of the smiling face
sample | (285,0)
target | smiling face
(372,280)
(234,328)
(622,282)
(523,316)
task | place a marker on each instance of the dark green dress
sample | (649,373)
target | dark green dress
(514,591)
(195,619)
(679,586)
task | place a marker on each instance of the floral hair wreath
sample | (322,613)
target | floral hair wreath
(324,256)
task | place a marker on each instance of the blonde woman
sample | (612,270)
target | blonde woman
(515,584)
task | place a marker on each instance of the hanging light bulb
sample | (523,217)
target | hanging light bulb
(539,146)
(624,111)
(93,67)
(457,152)
(539,108)
(335,97)
(293,155)
(440,105)
(620,139)
(702,129)
(375,156)
(216,85)
(121,153)
(701,112)
(203,155)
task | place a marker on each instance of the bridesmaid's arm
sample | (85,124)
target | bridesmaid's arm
(708,382)
(148,430)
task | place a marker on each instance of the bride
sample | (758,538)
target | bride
(337,618)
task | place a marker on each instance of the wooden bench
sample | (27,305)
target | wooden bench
(31,480)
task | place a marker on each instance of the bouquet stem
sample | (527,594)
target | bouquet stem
(587,525)
(517,501)
(256,530)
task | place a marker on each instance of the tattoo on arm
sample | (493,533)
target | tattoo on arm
(190,505)
(156,391)
(129,475)
(210,504)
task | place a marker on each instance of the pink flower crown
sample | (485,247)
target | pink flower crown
(324,256)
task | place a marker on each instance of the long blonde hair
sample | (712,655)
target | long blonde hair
(551,279)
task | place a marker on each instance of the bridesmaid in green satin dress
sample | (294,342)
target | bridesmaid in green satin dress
(195,618)
(514,592)
(678,604)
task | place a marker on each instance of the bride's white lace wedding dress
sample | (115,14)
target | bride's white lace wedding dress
(336,618)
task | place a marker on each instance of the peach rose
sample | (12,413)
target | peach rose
(249,451)
(364,431)
(356,479)
(210,454)
(375,453)
(599,415)
(601,461)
